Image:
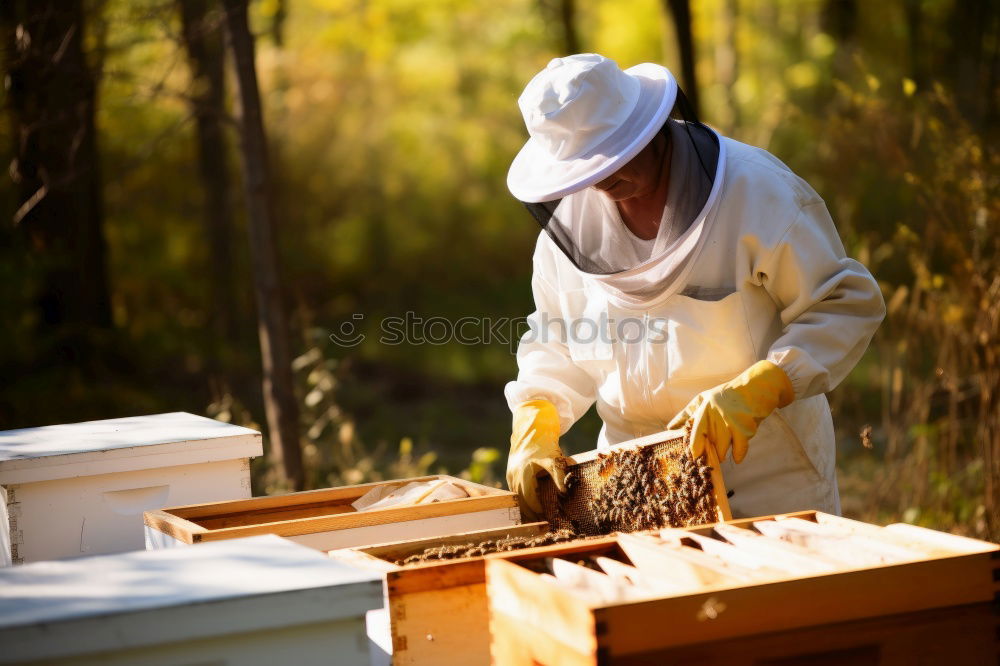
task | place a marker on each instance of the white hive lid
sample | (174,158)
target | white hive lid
(120,445)
(50,610)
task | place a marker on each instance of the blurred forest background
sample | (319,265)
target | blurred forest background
(156,235)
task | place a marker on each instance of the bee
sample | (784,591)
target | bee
(647,485)
(650,487)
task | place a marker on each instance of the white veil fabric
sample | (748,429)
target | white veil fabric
(588,227)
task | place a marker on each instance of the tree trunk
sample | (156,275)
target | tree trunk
(915,42)
(680,12)
(839,18)
(727,60)
(559,17)
(52,96)
(567,17)
(272,323)
(278,23)
(203,40)
(973,59)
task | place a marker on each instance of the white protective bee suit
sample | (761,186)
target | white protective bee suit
(756,271)
(766,277)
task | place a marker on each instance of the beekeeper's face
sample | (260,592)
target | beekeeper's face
(640,176)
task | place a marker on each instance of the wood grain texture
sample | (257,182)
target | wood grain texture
(273,516)
(339,495)
(719,486)
(360,560)
(530,601)
(733,555)
(850,549)
(691,568)
(956,636)
(440,576)
(788,557)
(948,575)
(514,642)
(406,529)
(655,438)
(441,626)
(921,539)
(314,511)
(169,524)
(438,610)
(851,595)
(363,519)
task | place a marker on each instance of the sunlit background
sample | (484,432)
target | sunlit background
(391,124)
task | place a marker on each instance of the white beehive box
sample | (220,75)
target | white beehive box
(261,600)
(81,488)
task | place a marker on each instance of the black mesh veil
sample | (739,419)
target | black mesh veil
(586,225)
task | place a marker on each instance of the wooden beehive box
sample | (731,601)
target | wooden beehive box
(325,520)
(788,589)
(576,507)
(437,611)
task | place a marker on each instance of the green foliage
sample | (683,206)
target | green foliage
(392,123)
(918,201)
(333,450)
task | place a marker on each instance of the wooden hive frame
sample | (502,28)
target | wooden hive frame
(438,611)
(549,496)
(324,519)
(941,602)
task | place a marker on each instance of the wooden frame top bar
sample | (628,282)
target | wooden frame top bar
(314,511)
(934,570)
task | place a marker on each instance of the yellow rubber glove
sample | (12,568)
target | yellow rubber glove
(730,413)
(534,446)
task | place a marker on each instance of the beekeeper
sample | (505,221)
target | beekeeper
(681,277)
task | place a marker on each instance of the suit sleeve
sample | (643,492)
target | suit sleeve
(829,304)
(545,367)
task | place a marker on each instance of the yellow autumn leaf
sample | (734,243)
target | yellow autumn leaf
(952,314)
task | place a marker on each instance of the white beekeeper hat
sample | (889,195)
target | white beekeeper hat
(587,118)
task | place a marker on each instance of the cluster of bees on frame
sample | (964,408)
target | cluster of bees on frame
(478,549)
(641,490)
(633,490)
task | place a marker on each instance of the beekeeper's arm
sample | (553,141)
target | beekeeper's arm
(550,394)
(829,306)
